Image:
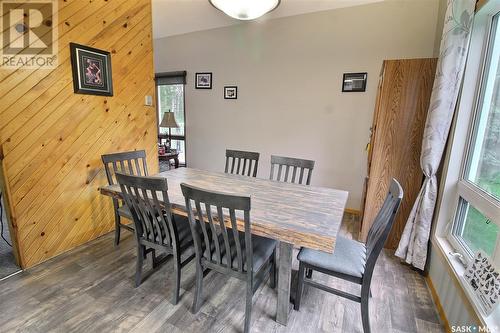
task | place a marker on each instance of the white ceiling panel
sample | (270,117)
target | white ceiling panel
(175,17)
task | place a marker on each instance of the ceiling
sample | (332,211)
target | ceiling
(175,17)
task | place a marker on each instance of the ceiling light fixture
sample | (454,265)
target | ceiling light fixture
(245,9)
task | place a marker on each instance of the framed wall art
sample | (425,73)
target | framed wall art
(354,82)
(230,92)
(203,80)
(91,70)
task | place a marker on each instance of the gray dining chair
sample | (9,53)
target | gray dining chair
(225,250)
(291,166)
(291,170)
(130,162)
(351,260)
(156,228)
(240,162)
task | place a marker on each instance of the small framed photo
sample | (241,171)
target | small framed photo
(203,80)
(354,82)
(230,92)
(91,70)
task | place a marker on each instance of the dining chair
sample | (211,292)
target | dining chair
(226,250)
(156,228)
(246,162)
(130,162)
(291,166)
(351,260)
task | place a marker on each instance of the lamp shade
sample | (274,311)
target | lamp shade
(245,9)
(168,120)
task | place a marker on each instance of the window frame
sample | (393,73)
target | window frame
(454,163)
(469,112)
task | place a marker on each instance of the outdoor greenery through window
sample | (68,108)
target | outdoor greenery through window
(477,219)
(476,231)
(171,99)
(484,162)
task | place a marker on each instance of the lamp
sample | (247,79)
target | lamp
(245,9)
(169,122)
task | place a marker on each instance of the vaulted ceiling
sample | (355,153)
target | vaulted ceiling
(175,17)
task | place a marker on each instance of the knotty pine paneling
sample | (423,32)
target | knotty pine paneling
(52,139)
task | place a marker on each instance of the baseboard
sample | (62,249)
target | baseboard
(437,302)
(353,211)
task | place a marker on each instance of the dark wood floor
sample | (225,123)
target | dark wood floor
(90,289)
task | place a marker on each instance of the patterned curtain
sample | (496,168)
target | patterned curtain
(453,54)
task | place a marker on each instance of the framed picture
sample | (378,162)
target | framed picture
(230,92)
(91,70)
(354,82)
(203,81)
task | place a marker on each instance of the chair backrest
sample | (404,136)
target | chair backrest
(214,212)
(243,163)
(147,199)
(129,162)
(291,166)
(379,231)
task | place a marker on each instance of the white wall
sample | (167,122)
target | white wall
(456,307)
(289,72)
(440,24)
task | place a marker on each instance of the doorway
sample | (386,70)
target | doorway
(170,96)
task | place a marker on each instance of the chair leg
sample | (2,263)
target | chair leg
(198,288)
(117,227)
(153,259)
(300,287)
(177,273)
(273,270)
(248,307)
(365,315)
(309,273)
(138,269)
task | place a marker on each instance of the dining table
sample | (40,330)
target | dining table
(294,215)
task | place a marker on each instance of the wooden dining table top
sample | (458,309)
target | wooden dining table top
(301,215)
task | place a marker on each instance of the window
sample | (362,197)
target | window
(475,230)
(483,167)
(170,92)
(476,221)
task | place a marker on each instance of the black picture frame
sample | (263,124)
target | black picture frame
(354,82)
(230,92)
(203,80)
(91,69)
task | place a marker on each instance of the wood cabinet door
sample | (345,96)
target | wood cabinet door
(373,129)
(397,139)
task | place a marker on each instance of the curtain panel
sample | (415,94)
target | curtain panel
(449,74)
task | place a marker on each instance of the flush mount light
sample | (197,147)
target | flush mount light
(245,9)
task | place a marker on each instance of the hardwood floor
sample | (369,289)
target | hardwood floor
(91,289)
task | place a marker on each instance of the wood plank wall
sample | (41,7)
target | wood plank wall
(52,139)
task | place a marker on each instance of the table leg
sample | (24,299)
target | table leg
(284,279)
(176,162)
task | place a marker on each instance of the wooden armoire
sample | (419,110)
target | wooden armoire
(401,106)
